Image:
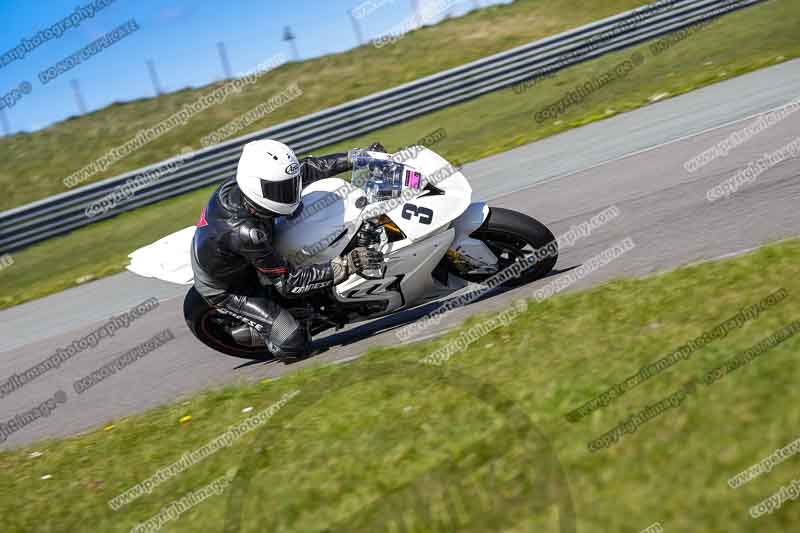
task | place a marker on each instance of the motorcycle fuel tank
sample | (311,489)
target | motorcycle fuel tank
(323,225)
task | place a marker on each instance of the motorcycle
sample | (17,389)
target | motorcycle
(413,206)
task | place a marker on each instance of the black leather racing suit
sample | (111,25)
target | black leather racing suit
(236,267)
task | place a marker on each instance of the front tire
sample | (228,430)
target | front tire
(212,328)
(511,236)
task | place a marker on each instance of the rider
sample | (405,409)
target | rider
(237,269)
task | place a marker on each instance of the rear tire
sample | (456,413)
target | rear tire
(505,230)
(206,323)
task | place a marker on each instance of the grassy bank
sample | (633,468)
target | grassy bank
(484,126)
(34,164)
(362,442)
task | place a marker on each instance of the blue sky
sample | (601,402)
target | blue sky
(180,36)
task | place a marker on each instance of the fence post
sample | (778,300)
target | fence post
(76,89)
(223,57)
(151,68)
(289,37)
(356,27)
(4,121)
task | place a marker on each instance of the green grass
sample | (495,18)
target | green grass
(365,439)
(475,129)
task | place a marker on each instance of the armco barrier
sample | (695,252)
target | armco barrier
(65,212)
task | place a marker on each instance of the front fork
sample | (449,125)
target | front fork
(469,255)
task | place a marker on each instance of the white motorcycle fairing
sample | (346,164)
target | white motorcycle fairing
(432,224)
(433,221)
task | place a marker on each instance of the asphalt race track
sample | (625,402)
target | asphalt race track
(633,161)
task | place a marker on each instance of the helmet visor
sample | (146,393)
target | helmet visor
(283,192)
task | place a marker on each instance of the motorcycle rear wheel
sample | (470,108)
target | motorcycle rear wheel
(212,328)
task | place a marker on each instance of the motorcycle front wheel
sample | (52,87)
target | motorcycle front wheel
(514,236)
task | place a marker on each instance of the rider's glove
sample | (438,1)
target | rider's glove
(358,260)
(377,147)
(374,147)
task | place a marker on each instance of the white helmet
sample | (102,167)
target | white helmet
(269,178)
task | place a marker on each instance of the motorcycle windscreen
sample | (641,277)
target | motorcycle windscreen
(383,179)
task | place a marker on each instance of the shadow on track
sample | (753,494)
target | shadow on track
(396,320)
